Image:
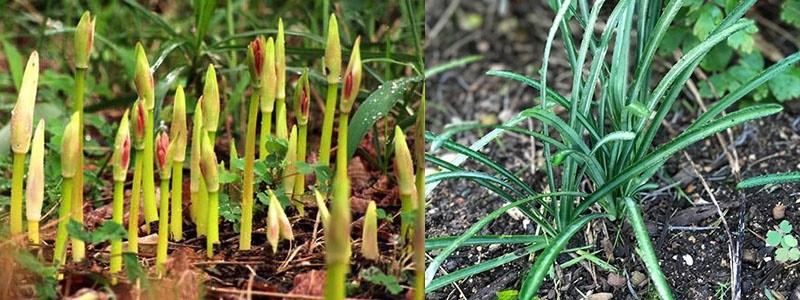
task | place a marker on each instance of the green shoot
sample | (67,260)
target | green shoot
(21,132)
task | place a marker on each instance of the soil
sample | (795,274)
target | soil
(691,242)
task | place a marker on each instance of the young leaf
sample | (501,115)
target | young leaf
(773,238)
(789,241)
(785,226)
(782,254)
(794,254)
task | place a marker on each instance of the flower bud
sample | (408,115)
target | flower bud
(70,147)
(144,78)
(177,129)
(301,99)
(352,79)
(369,235)
(269,81)
(137,131)
(208,165)
(403,165)
(22,115)
(84,36)
(163,157)
(280,61)
(198,134)
(35,188)
(273,224)
(255,59)
(322,209)
(333,52)
(211,101)
(122,149)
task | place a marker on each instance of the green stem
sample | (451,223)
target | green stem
(78,247)
(63,218)
(16,193)
(116,217)
(33,232)
(212,137)
(163,227)
(406,208)
(300,179)
(202,209)
(281,129)
(647,253)
(148,179)
(136,194)
(338,236)
(177,201)
(419,228)
(327,126)
(266,130)
(213,223)
(249,164)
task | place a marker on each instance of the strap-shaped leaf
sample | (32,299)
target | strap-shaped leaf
(769,179)
(441,242)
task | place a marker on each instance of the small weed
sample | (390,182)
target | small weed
(786,244)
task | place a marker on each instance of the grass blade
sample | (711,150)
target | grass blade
(769,179)
(648,254)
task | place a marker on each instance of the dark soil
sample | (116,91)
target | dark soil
(695,260)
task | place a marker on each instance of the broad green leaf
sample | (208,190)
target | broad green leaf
(718,58)
(786,85)
(673,39)
(789,241)
(743,41)
(708,16)
(782,254)
(773,238)
(785,226)
(790,12)
(15,62)
(794,254)
(377,105)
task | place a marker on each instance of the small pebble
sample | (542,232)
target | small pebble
(688,259)
(638,278)
(616,280)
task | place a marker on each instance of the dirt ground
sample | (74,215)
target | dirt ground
(690,238)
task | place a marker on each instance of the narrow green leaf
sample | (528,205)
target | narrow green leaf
(373,109)
(769,179)
(14,59)
(430,72)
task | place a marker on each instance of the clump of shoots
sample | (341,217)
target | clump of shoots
(137,132)
(119,161)
(290,170)
(333,65)
(145,88)
(197,185)
(21,132)
(301,109)
(82,40)
(69,167)
(35,188)
(278,225)
(164,154)
(404,168)
(369,235)
(208,167)
(281,127)
(211,104)
(255,58)
(338,233)
(178,132)
(269,84)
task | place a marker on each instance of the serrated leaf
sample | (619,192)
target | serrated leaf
(708,16)
(782,254)
(789,241)
(785,226)
(773,238)
(786,86)
(718,58)
(743,41)
(790,12)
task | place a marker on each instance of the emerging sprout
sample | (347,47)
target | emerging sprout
(69,148)
(404,167)
(177,130)
(122,149)
(269,82)
(290,171)
(322,208)
(140,118)
(144,78)
(22,115)
(333,52)
(255,58)
(352,79)
(163,157)
(35,187)
(369,236)
(278,225)
(210,103)
(84,36)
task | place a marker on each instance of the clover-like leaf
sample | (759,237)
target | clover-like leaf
(789,241)
(774,238)
(785,226)
(794,254)
(782,254)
